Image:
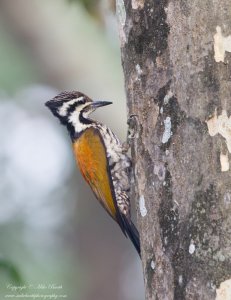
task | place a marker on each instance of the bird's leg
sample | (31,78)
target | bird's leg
(131,133)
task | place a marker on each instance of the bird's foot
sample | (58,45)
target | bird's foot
(132,132)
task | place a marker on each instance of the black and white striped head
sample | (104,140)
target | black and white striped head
(73,110)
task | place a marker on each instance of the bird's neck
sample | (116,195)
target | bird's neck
(77,124)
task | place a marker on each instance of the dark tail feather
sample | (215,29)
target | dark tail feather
(133,234)
(129,230)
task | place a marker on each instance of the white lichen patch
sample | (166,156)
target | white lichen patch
(121,16)
(167,130)
(177,204)
(191,248)
(153,265)
(224,160)
(166,241)
(180,280)
(224,291)
(221,45)
(137,4)
(221,124)
(168,96)
(138,71)
(143,209)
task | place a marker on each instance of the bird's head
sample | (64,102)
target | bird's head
(73,110)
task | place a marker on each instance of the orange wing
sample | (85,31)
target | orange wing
(91,157)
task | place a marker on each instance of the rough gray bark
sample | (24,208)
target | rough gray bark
(176,61)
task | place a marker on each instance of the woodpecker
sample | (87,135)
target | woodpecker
(100,156)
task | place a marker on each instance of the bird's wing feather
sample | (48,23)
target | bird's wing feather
(90,153)
(92,160)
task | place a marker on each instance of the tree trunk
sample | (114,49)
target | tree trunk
(176,60)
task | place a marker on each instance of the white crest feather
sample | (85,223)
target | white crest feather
(63,109)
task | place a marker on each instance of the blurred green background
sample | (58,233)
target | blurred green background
(55,238)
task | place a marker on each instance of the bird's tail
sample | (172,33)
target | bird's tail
(133,234)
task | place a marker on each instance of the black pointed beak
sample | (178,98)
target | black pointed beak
(96,104)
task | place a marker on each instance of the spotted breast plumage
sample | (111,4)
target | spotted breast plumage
(99,155)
